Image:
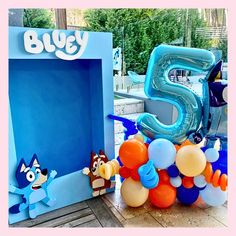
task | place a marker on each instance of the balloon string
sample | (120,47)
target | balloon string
(215,178)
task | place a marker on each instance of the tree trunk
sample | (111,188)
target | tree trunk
(61,22)
(188,28)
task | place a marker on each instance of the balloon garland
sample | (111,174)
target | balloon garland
(166,163)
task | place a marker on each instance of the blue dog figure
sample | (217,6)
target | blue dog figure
(33,183)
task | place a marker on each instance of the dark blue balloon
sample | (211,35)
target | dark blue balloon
(221,164)
(173,171)
(187,196)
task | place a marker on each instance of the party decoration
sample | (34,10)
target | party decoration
(139,137)
(213,196)
(33,185)
(215,177)
(162,152)
(148,175)
(133,193)
(173,171)
(190,160)
(187,196)
(126,173)
(133,153)
(109,169)
(163,59)
(200,181)
(212,154)
(163,196)
(97,182)
(187,182)
(176,181)
(214,119)
(130,126)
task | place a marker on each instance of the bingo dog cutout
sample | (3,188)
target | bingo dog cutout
(33,185)
(98,184)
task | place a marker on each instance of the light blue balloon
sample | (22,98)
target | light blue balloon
(162,152)
(163,59)
(200,181)
(176,182)
(212,155)
(213,196)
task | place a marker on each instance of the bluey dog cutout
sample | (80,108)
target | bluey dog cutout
(33,185)
(97,183)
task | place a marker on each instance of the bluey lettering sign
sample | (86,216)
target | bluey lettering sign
(65,47)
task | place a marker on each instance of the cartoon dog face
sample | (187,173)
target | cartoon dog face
(31,175)
(96,161)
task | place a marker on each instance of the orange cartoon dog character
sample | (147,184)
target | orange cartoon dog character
(98,184)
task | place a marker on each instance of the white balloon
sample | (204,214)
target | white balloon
(176,182)
(212,155)
(200,181)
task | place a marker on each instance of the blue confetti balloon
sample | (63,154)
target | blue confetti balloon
(213,196)
(173,171)
(187,196)
(162,152)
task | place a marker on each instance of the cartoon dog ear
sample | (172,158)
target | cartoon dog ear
(101,152)
(215,71)
(21,167)
(34,161)
(92,155)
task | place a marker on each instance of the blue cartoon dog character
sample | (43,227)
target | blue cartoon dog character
(33,187)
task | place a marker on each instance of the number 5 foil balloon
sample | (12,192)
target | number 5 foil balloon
(163,59)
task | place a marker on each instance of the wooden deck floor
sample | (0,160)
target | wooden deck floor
(110,211)
(90,213)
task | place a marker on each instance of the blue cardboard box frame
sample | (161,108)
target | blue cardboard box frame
(58,109)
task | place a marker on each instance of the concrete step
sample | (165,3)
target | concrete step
(128,106)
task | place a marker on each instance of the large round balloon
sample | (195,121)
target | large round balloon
(133,153)
(162,152)
(133,193)
(163,59)
(163,195)
(213,196)
(187,196)
(190,160)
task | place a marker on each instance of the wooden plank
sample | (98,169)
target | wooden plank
(91,224)
(103,213)
(51,215)
(78,222)
(65,219)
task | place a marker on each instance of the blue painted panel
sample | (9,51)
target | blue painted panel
(49,117)
(59,109)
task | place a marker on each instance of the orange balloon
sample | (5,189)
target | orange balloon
(185,143)
(163,195)
(133,153)
(163,177)
(187,182)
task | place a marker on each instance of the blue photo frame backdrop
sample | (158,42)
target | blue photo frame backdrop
(58,109)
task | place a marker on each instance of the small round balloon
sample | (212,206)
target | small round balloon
(133,193)
(212,154)
(173,171)
(176,182)
(133,153)
(190,160)
(213,196)
(200,181)
(163,196)
(187,196)
(187,182)
(162,152)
